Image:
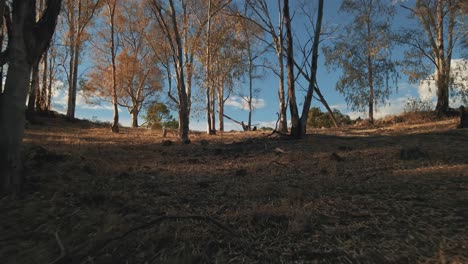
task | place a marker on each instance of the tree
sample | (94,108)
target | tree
(159,115)
(166,16)
(264,19)
(77,15)
(138,77)
(250,36)
(441,30)
(363,53)
(221,55)
(299,123)
(34,92)
(110,49)
(28,39)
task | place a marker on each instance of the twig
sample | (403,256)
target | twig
(63,252)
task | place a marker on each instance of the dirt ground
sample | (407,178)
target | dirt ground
(390,194)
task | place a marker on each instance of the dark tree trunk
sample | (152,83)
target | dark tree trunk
(71,85)
(12,117)
(134,118)
(27,42)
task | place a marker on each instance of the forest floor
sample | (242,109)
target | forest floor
(385,194)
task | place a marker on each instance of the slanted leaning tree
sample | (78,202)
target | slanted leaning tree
(28,38)
(363,53)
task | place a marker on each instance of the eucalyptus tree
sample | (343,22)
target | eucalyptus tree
(433,45)
(28,38)
(363,53)
(167,16)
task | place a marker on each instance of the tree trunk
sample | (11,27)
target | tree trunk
(313,79)
(442,80)
(115,120)
(295,120)
(37,81)
(208,110)
(134,118)
(27,42)
(43,100)
(213,112)
(49,84)
(12,116)
(371,89)
(76,62)
(183,120)
(221,108)
(283,122)
(249,121)
(71,85)
(34,92)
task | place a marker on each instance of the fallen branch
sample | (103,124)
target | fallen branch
(276,131)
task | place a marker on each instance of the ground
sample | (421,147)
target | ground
(395,193)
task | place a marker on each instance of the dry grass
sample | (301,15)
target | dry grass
(384,194)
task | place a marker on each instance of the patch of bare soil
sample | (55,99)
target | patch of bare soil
(389,194)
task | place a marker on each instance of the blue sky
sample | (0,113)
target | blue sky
(266,101)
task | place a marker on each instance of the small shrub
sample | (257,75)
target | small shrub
(417,105)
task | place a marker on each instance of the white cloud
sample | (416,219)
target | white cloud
(60,100)
(391,107)
(241,103)
(428,91)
